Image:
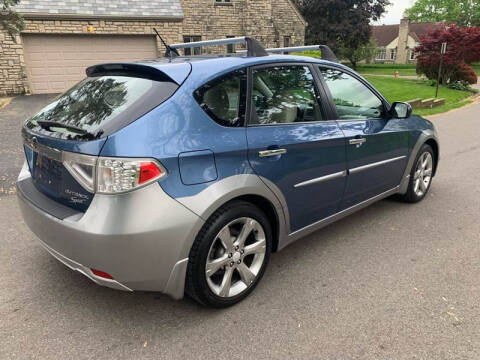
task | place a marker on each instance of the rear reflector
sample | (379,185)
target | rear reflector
(102,274)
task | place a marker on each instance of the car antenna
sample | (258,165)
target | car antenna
(171,52)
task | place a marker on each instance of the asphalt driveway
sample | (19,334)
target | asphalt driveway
(393,281)
(11,120)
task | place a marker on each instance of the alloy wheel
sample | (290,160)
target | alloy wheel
(423,174)
(235,257)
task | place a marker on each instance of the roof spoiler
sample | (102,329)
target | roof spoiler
(327,53)
(254,48)
(128,69)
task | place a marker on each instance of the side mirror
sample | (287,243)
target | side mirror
(401,110)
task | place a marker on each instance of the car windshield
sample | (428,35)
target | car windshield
(95,102)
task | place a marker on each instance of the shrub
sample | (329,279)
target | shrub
(463,47)
(459,85)
(464,73)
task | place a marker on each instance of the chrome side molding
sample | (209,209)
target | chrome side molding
(375,164)
(322,178)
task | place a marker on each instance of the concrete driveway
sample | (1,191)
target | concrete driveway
(394,281)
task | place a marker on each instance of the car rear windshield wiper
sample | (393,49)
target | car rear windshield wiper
(81,132)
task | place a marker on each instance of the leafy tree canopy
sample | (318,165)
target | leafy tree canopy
(463,48)
(9,18)
(340,23)
(462,12)
(355,55)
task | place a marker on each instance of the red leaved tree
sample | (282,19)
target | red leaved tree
(463,48)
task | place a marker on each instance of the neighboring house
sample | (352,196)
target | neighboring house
(396,43)
(63,37)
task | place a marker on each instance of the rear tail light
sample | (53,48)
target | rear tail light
(82,168)
(112,175)
(116,175)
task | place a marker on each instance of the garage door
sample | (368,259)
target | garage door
(54,63)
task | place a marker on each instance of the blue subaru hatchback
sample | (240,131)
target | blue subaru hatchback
(182,175)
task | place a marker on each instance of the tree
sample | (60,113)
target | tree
(9,18)
(355,55)
(340,23)
(463,48)
(462,12)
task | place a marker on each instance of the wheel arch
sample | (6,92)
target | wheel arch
(436,152)
(246,187)
(426,137)
(268,209)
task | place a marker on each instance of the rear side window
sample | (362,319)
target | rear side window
(103,103)
(284,94)
(223,99)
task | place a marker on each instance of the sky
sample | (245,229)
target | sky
(395,11)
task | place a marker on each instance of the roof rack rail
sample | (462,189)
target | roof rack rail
(254,48)
(327,53)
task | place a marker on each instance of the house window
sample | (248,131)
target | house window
(230,47)
(381,54)
(393,54)
(223,1)
(287,41)
(412,55)
(195,50)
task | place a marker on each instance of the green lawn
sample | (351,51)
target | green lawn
(387,69)
(476,67)
(408,89)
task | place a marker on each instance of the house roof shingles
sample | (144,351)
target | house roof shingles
(385,34)
(117,8)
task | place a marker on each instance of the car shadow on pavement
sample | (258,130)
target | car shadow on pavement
(75,296)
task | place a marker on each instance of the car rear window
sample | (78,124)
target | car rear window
(103,104)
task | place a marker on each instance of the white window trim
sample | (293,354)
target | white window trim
(383,53)
(392,54)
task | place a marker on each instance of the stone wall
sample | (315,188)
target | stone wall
(13,79)
(402,47)
(12,63)
(269,21)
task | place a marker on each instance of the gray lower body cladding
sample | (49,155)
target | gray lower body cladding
(141,238)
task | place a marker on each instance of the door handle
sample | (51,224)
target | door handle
(274,152)
(357,141)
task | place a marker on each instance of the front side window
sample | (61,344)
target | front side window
(284,94)
(352,99)
(223,99)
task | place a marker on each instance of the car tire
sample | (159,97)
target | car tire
(421,175)
(214,261)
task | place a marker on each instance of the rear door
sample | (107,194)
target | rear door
(376,146)
(291,142)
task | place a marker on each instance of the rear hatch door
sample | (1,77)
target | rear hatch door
(62,141)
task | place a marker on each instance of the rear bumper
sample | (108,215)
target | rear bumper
(141,238)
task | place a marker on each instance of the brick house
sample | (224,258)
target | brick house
(396,43)
(63,37)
